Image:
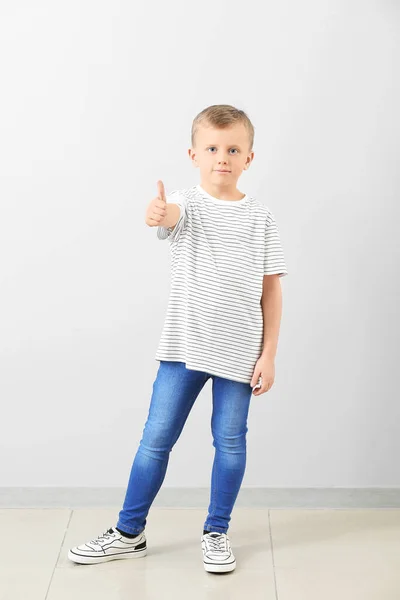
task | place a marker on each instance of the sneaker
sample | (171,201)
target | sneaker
(111,545)
(217,552)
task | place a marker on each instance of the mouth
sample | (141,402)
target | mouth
(221,171)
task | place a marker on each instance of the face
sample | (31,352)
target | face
(221,154)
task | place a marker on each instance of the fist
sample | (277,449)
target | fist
(157,209)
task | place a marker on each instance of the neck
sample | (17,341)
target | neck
(224,192)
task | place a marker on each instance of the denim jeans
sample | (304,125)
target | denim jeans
(175,390)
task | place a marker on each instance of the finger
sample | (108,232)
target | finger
(160,210)
(161,190)
(155,219)
(159,204)
(153,222)
(266,388)
(259,391)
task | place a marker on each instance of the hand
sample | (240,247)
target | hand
(157,209)
(265,370)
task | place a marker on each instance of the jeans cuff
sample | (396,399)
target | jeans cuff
(218,529)
(128,529)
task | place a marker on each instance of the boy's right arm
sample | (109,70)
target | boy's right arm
(159,213)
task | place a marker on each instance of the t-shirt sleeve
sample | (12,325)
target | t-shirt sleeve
(274,260)
(173,233)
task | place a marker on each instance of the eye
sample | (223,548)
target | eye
(213,148)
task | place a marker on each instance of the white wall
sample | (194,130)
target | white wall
(96,105)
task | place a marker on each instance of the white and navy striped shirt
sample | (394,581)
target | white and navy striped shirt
(220,252)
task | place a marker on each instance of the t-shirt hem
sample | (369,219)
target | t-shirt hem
(280,273)
(197,367)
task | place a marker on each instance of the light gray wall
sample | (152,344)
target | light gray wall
(97,103)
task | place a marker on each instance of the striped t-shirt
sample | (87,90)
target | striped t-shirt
(220,252)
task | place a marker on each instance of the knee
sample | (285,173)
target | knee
(157,442)
(230,442)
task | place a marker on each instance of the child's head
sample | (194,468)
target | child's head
(222,139)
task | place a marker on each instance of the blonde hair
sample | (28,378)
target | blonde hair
(222,115)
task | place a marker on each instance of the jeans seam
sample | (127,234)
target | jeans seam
(213,503)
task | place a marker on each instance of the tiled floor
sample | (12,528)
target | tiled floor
(280,555)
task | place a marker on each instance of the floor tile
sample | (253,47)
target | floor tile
(31,542)
(340,539)
(332,583)
(123,580)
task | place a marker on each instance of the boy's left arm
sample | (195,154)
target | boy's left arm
(271,302)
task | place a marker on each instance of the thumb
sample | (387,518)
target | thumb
(161,190)
(254,379)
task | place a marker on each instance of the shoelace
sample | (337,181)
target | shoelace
(217,543)
(105,536)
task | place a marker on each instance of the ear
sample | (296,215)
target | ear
(192,156)
(249,160)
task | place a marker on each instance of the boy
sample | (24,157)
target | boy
(222,323)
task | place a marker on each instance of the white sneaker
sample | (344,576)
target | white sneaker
(217,552)
(111,545)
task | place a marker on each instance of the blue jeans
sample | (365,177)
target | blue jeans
(175,390)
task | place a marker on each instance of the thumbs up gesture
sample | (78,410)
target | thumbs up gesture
(157,209)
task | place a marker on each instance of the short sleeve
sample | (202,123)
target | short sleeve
(274,260)
(173,233)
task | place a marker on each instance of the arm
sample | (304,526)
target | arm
(271,302)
